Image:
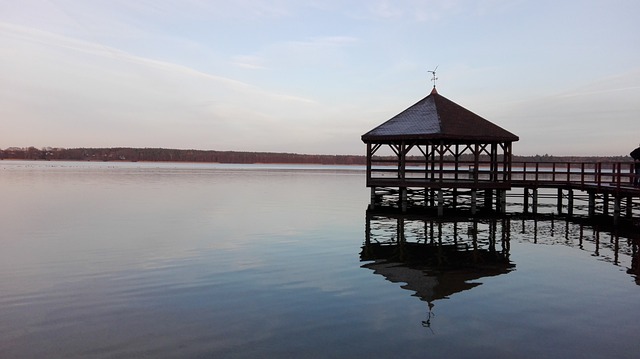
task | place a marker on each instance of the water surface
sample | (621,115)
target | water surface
(120,260)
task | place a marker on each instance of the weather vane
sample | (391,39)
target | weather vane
(434,78)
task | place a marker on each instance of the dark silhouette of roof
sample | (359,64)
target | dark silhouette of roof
(437,118)
(635,154)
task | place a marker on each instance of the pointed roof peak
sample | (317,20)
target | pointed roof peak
(437,118)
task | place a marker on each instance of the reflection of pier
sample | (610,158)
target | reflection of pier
(602,240)
(438,256)
(454,242)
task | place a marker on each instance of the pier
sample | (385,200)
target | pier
(567,188)
(437,157)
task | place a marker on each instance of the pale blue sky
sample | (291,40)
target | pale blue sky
(312,76)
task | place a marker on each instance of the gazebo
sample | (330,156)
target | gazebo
(437,154)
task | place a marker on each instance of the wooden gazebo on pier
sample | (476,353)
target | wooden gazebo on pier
(437,154)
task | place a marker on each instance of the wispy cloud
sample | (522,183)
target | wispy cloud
(322,51)
(249,62)
(432,11)
(79,46)
(65,88)
(385,10)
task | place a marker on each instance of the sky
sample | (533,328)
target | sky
(310,76)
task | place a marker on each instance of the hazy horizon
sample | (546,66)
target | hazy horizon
(363,154)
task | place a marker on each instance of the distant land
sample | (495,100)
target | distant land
(126,154)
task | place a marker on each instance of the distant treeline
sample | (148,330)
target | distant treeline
(175,155)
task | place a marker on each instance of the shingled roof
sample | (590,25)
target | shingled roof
(437,118)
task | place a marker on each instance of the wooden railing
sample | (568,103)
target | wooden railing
(610,174)
(523,174)
(438,171)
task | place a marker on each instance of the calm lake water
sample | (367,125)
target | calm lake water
(135,260)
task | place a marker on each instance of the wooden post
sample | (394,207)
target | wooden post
(570,202)
(503,201)
(525,204)
(372,205)
(534,194)
(559,205)
(454,204)
(616,209)
(592,204)
(440,203)
(629,207)
(493,177)
(369,155)
(474,200)
(605,204)
(488,198)
(456,158)
(403,199)
(426,197)
(476,163)
(402,161)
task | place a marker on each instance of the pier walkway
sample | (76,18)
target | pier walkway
(607,187)
(605,184)
(614,178)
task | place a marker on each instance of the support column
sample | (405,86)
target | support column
(592,204)
(616,209)
(500,200)
(605,204)
(403,199)
(488,199)
(525,205)
(474,200)
(534,194)
(372,204)
(454,204)
(570,202)
(440,203)
(426,197)
(559,205)
(629,213)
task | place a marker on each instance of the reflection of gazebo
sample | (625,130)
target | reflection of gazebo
(432,286)
(435,257)
(436,151)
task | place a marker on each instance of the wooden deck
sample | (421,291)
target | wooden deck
(478,185)
(614,178)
